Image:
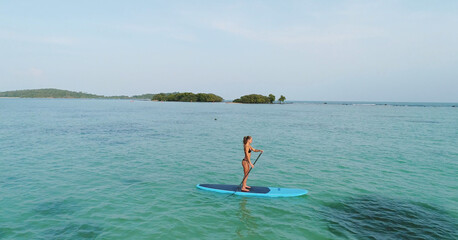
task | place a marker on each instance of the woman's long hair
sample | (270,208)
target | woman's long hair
(245,139)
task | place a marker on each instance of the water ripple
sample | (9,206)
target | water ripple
(378,217)
(87,169)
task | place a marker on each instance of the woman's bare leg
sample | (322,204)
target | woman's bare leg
(246,169)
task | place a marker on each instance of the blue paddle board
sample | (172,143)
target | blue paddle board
(254,191)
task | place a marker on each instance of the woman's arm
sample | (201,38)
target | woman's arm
(256,150)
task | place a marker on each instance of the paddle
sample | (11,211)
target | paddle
(240,185)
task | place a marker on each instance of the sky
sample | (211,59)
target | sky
(305,50)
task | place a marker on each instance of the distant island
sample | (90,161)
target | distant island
(259,99)
(47,93)
(58,93)
(163,97)
(187,97)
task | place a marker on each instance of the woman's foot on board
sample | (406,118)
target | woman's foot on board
(248,187)
(245,190)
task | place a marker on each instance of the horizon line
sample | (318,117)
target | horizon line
(224,99)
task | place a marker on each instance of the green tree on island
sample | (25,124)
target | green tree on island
(252,98)
(208,97)
(187,97)
(271,98)
(282,99)
(160,97)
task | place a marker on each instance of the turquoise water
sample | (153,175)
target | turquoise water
(119,169)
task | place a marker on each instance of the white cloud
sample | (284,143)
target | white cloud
(301,34)
(28,73)
(169,32)
(55,40)
(58,40)
(34,72)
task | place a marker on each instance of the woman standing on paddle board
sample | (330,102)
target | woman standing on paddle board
(246,162)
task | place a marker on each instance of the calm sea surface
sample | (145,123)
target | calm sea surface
(120,169)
